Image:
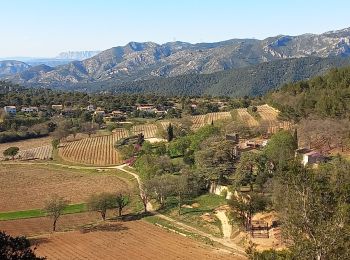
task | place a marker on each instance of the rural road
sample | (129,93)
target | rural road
(236,249)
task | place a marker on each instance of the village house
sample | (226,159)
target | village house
(57,107)
(29,109)
(309,156)
(90,108)
(100,112)
(10,110)
(146,108)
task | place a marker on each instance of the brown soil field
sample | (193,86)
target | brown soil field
(93,151)
(39,226)
(26,144)
(126,240)
(28,186)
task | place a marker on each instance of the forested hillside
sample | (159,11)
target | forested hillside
(250,81)
(321,97)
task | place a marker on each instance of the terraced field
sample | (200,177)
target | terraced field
(164,124)
(94,151)
(269,117)
(217,116)
(198,122)
(148,130)
(41,153)
(246,118)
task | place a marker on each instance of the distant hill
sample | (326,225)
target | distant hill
(146,60)
(251,81)
(11,67)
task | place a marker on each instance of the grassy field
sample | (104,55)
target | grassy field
(198,213)
(35,213)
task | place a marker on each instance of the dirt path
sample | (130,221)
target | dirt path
(226,227)
(224,241)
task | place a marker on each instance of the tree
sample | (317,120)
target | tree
(162,187)
(16,248)
(98,119)
(121,200)
(55,143)
(313,206)
(215,159)
(11,151)
(280,149)
(101,203)
(89,128)
(246,170)
(184,185)
(247,205)
(54,208)
(170,132)
(86,116)
(63,129)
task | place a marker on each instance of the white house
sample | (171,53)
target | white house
(309,156)
(29,109)
(57,107)
(100,112)
(10,110)
(146,108)
(90,108)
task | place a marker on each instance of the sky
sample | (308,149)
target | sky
(44,28)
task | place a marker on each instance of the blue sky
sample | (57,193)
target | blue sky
(43,28)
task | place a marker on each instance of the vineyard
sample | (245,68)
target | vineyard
(213,117)
(28,145)
(41,153)
(198,122)
(126,240)
(269,118)
(246,118)
(164,124)
(148,131)
(202,120)
(96,150)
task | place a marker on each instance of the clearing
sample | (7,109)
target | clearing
(26,187)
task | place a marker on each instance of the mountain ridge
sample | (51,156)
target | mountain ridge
(146,60)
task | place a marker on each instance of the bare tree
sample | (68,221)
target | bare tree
(89,128)
(54,208)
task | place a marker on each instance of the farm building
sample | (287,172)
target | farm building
(146,108)
(100,112)
(90,108)
(10,110)
(57,107)
(233,137)
(309,156)
(29,109)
